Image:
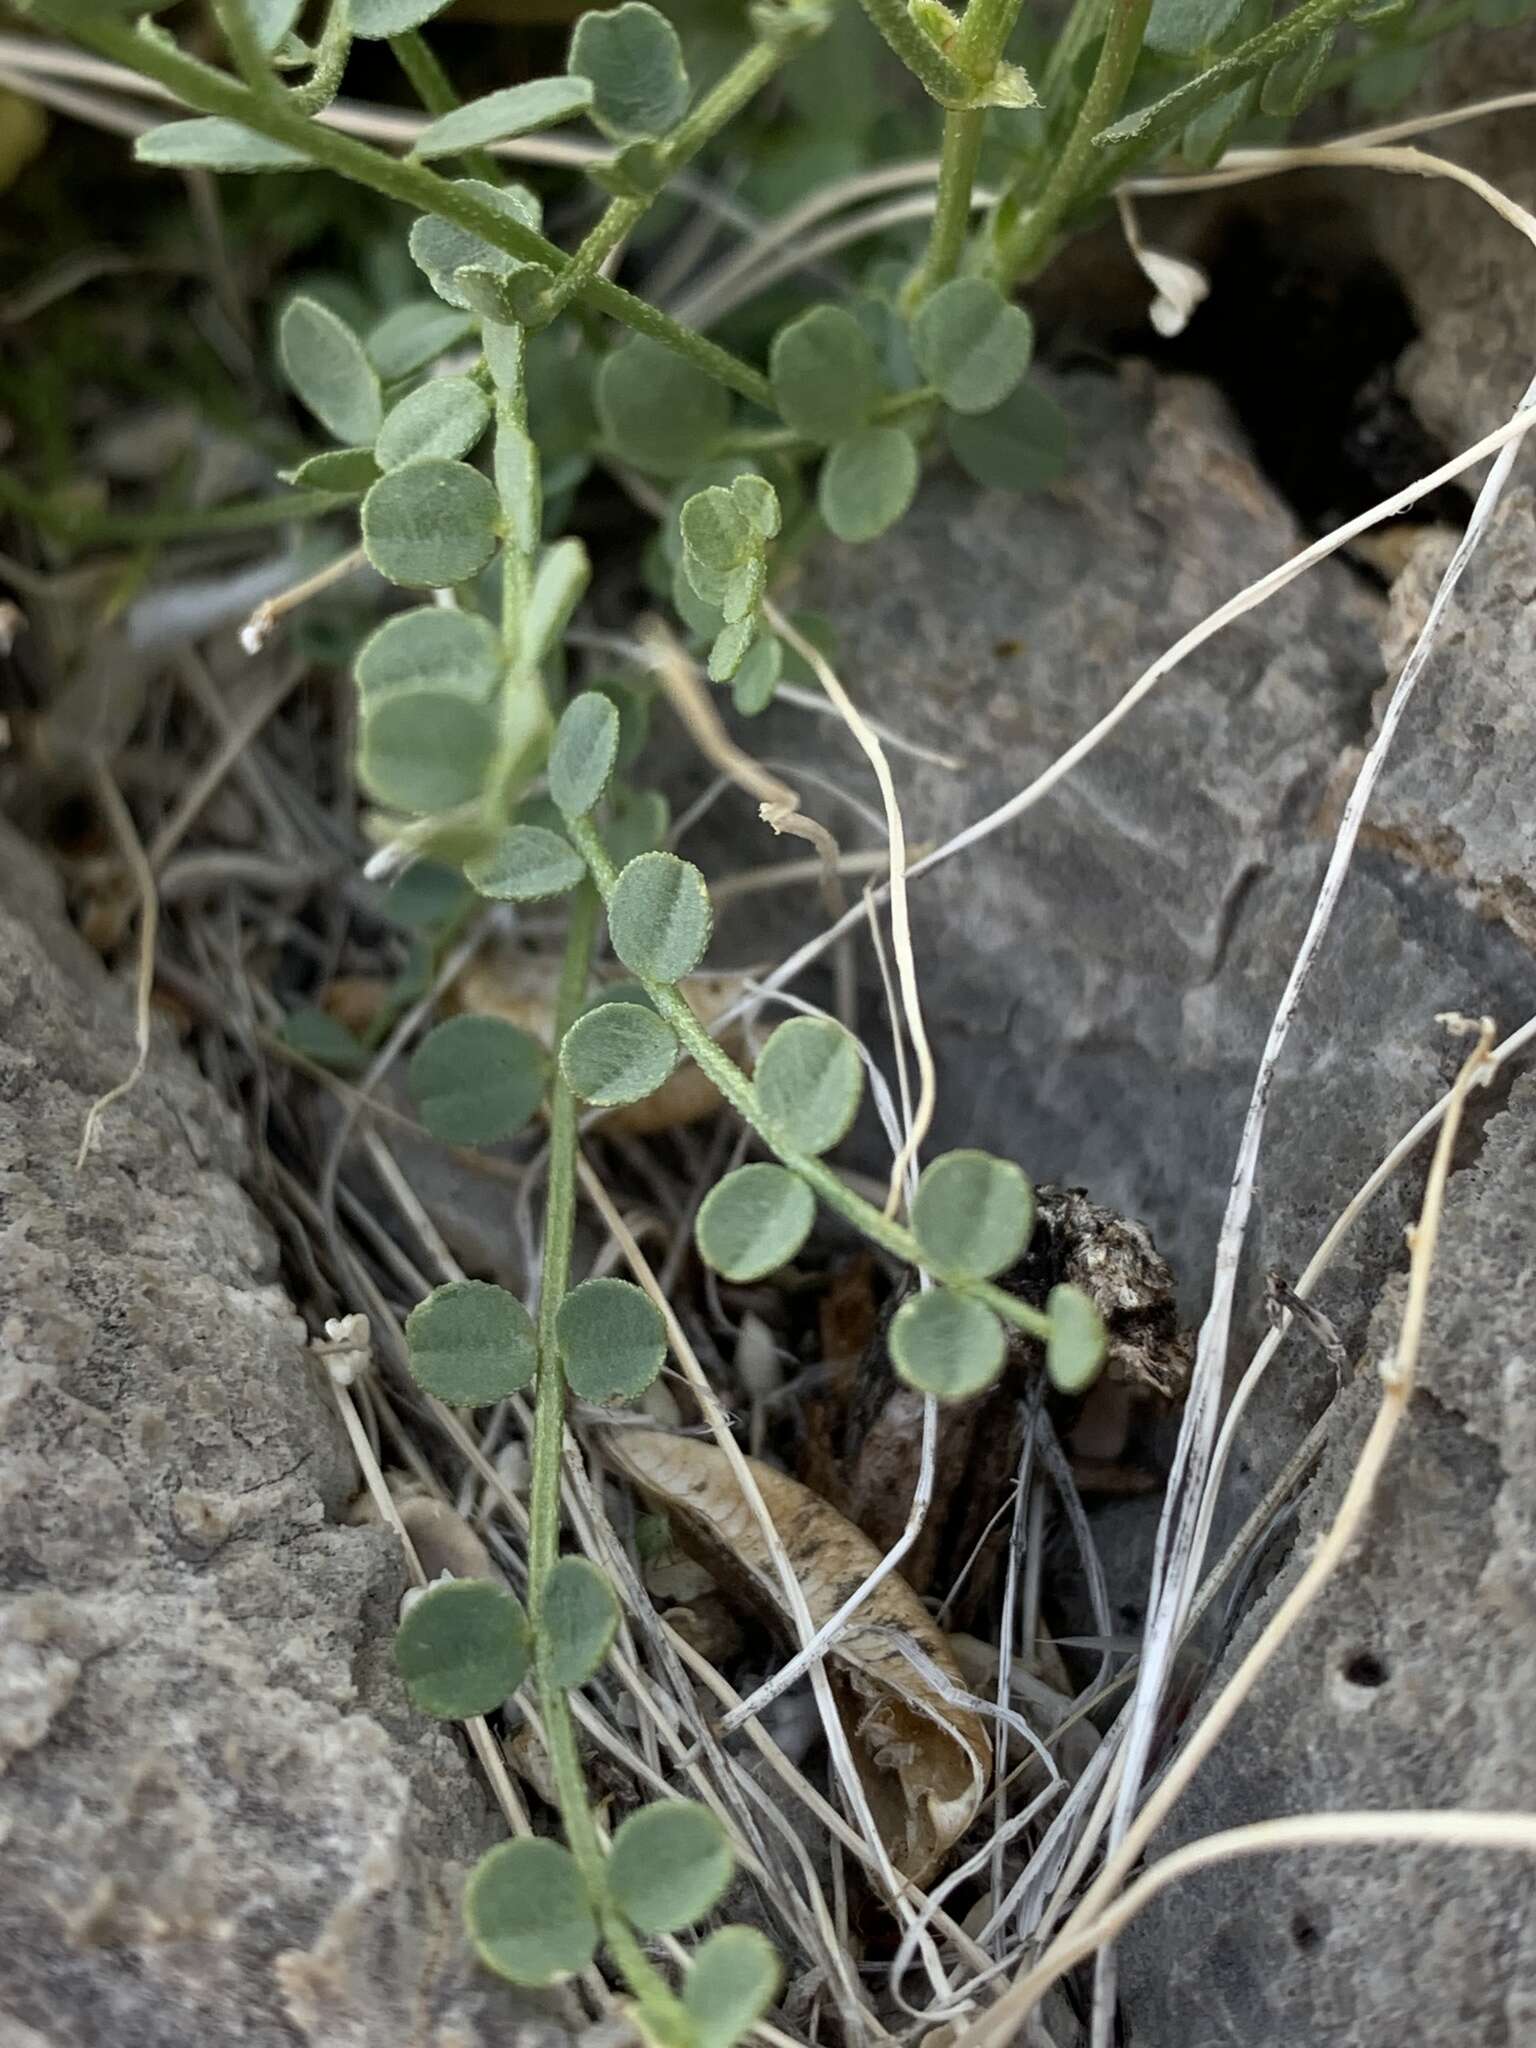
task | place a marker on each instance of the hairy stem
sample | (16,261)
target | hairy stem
(1023,250)
(739,1092)
(211,91)
(75,523)
(944,80)
(952,220)
(433,87)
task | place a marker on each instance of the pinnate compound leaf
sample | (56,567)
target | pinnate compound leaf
(414,335)
(946,1344)
(1020,446)
(443,418)
(1074,1350)
(430,648)
(463,1648)
(731,1982)
(516,110)
(824,372)
(612,1339)
(578,1620)
(350,470)
(471,1343)
(632,59)
(562,575)
(425,750)
(376,19)
(210,143)
(586,746)
(477,1080)
(528,1913)
(972,344)
(754,1221)
(809,1079)
(617,1053)
(670,1863)
(867,482)
(717,536)
(972,1214)
(527,864)
(659,412)
(440,247)
(430,524)
(659,917)
(325,363)
(1183,28)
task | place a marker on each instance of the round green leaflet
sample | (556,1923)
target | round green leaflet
(410,337)
(825,378)
(425,896)
(425,751)
(325,364)
(380,18)
(866,482)
(430,524)
(578,1620)
(477,1080)
(971,343)
(526,865)
(759,501)
(972,1215)
(430,648)
(1185,28)
(658,411)
(730,1984)
(756,680)
(349,470)
(670,1862)
(809,1079)
(633,59)
(617,1053)
(1074,1351)
(212,144)
(612,1339)
(754,1221)
(463,1648)
(515,110)
(946,1344)
(659,917)
(442,418)
(471,1343)
(717,535)
(637,823)
(528,1913)
(586,745)
(440,247)
(1020,446)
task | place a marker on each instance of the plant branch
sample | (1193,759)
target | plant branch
(211,91)
(1023,249)
(432,86)
(81,525)
(939,77)
(958,157)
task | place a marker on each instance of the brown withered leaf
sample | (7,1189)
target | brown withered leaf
(503,982)
(924,1763)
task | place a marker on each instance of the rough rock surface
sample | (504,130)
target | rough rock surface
(220,1824)
(1408,1685)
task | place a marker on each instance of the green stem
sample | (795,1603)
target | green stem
(86,528)
(739,1092)
(1140,135)
(210,91)
(433,87)
(1077,32)
(650,1989)
(785,441)
(618,217)
(943,80)
(241,41)
(1022,251)
(331,54)
(958,157)
(984,31)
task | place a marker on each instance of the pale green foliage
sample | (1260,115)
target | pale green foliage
(585,751)
(809,1079)
(1074,1351)
(515,110)
(349,470)
(426,650)
(669,1864)
(413,335)
(972,344)
(214,144)
(947,1344)
(617,1053)
(476,1080)
(430,524)
(578,1620)
(392,17)
(612,1340)
(471,1343)
(632,60)
(657,410)
(443,418)
(867,482)
(527,864)
(329,369)
(659,917)
(972,1214)
(730,1985)
(1020,446)
(442,247)
(754,1221)
(463,1648)
(826,380)
(528,1913)
(424,750)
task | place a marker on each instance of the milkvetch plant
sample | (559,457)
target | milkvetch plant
(452,431)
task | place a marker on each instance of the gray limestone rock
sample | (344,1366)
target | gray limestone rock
(221,1825)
